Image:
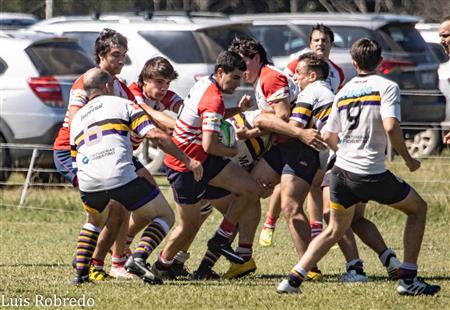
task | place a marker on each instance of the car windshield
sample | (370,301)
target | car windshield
(279,40)
(344,36)
(59,58)
(203,45)
(403,38)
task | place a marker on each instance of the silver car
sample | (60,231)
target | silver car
(408,61)
(36,73)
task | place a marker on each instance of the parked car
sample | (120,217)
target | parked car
(10,21)
(430,34)
(408,61)
(35,80)
(191,45)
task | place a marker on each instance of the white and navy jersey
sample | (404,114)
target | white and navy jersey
(313,105)
(335,78)
(100,142)
(203,111)
(272,86)
(312,110)
(250,150)
(357,116)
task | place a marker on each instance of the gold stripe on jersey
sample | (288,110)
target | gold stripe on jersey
(138,119)
(362,99)
(323,111)
(104,127)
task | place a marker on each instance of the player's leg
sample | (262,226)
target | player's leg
(248,192)
(340,220)
(150,210)
(416,209)
(204,270)
(272,215)
(117,216)
(347,244)
(97,211)
(371,236)
(314,204)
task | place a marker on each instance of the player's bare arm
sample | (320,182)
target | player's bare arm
(160,119)
(331,139)
(72,111)
(392,128)
(163,141)
(282,109)
(212,145)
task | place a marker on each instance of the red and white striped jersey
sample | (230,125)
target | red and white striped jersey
(203,111)
(79,98)
(336,77)
(170,101)
(272,86)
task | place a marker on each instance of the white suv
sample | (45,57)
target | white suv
(36,73)
(190,44)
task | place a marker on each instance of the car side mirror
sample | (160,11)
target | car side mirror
(439,52)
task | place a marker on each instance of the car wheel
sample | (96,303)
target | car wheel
(150,156)
(423,143)
(5,161)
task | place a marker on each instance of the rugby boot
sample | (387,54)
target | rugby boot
(240,270)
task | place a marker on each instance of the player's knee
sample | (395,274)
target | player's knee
(291,210)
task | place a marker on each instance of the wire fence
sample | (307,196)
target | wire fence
(54,180)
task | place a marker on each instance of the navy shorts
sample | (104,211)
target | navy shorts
(132,195)
(293,158)
(347,189)
(188,191)
(63,164)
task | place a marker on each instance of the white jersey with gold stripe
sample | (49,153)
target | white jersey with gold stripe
(100,142)
(357,116)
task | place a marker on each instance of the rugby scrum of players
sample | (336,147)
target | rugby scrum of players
(308,137)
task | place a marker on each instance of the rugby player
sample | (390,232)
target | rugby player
(109,50)
(294,161)
(364,111)
(196,133)
(321,39)
(102,152)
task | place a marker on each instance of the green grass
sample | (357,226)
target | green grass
(37,244)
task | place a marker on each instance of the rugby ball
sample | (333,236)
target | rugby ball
(227,134)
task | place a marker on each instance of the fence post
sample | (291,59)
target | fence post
(28,179)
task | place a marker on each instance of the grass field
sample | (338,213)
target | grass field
(37,244)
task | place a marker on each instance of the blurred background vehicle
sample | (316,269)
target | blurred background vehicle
(36,73)
(190,43)
(408,60)
(430,34)
(16,20)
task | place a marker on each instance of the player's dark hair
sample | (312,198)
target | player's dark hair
(229,61)
(106,40)
(315,63)
(366,53)
(324,29)
(249,47)
(446,19)
(157,66)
